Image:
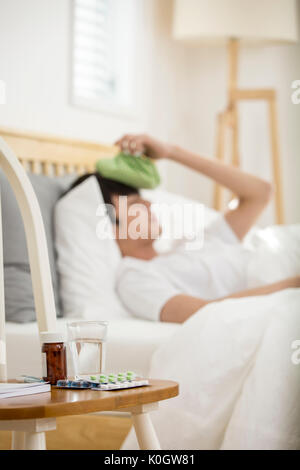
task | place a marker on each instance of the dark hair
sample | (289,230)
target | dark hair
(107,187)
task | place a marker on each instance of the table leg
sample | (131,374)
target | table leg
(43,440)
(28,440)
(18,440)
(28,434)
(34,441)
(143,426)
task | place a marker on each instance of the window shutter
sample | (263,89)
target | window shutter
(93,75)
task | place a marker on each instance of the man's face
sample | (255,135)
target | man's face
(135,219)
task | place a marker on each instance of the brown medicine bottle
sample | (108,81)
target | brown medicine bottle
(54,357)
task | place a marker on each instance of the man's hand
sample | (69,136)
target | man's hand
(294,282)
(144,144)
(180,308)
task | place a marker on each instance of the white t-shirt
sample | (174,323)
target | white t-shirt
(216,270)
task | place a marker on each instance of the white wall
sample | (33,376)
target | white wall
(35,46)
(180,91)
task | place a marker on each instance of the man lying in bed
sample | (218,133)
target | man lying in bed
(172,287)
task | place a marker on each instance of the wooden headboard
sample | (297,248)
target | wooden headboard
(55,156)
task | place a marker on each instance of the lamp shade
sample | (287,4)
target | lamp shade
(248,20)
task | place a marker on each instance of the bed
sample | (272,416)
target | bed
(239,384)
(131,342)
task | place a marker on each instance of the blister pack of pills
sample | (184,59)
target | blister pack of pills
(122,380)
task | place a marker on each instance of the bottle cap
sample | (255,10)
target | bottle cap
(51,337)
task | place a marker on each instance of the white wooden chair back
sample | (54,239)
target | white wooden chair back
(22,152)
(37,249)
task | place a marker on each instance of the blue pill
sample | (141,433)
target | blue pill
(76,384)
(86,385)
(62,383)
(93,385)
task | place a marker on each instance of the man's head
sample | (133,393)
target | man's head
(135,225)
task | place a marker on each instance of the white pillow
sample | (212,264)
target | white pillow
(86,263)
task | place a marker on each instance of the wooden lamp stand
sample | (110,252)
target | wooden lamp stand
(228,121)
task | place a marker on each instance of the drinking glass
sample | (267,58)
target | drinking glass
(87,343)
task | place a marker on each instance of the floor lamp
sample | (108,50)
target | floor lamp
(235,22)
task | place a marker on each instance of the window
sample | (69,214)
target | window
(103,54)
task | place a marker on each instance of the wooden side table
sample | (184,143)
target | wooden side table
(29,417)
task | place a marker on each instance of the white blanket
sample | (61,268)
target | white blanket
(239,375)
